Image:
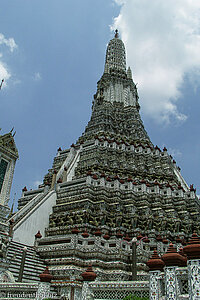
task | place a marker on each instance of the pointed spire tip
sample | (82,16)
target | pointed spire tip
(116,33)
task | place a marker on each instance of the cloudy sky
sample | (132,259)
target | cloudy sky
(52,55)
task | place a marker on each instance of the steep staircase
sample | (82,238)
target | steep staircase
(33,266)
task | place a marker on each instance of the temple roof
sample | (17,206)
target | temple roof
(7,143)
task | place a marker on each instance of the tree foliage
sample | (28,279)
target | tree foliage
(131,297)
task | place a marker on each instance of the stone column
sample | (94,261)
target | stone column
(65,174)
(44,285)
(155,265)
(11,225)
(21,270)
(88,275)
(172,260)
(184,264)
(134,259)
(193,254)
(53,183)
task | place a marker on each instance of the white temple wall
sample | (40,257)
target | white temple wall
(36,219)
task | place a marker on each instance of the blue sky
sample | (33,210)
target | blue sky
(52,55)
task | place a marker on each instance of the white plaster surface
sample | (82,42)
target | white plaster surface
(67,162)
(72,167)
(5,192)
(36,219)
(70,163)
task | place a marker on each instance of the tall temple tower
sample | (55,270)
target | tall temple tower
(110,186)
(8,157)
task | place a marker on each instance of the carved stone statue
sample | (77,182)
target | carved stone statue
(177,225)
(119,219)
(134,221)
(3,247)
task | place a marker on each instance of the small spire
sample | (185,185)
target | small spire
(46,276)
(116,33)
(89,274)
(129,73)
(2,81)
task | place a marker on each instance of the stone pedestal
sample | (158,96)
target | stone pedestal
(171,292)
(193,263)
(88,276)
(65,292)
(155,288)
(194,279)
(44,285)
(43,290)
(3,268)
(155,265)
(172,260)
(84,291)
(87,293)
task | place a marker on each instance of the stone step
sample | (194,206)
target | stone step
(33,266)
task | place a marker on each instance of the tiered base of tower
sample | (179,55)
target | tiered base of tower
(96,216)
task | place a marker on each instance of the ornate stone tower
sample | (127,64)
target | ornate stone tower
(112,185)
(8,157)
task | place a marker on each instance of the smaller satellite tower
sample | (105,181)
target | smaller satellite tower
(2,81)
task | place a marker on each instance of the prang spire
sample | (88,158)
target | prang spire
(115,55)
(116,84)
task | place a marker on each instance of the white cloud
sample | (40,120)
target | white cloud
(37,183)
(4,73)
(10,43)
(175,152)
(162,39)
(37,76)
(16,81)
(4,70)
